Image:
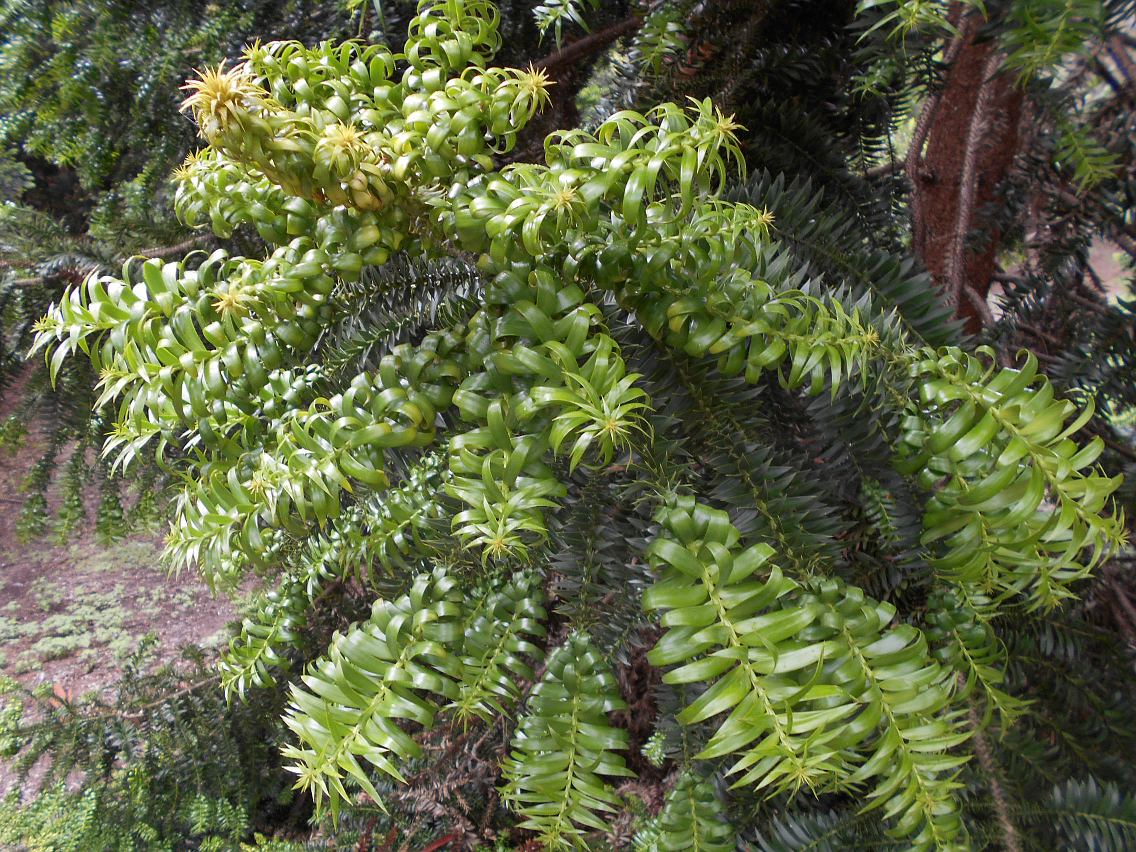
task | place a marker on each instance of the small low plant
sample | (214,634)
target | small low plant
(163,759)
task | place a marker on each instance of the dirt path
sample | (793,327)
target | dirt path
(68,613)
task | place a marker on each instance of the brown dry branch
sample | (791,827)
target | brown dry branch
(589,44)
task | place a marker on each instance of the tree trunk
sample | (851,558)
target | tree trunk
(972,135)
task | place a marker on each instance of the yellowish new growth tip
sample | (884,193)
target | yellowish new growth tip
(764,220)
(254,52)
(217,96)
(725,124)
(46,324)
(182,172)
(535,83)
(230,301)
(564,198)
(342,138)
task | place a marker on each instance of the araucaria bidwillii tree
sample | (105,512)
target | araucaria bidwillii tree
(552,412)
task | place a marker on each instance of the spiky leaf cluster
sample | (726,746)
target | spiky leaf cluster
(692,818)
(565,748)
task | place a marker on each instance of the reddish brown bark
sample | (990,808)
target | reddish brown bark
(972,133)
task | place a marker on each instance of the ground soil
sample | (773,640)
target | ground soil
(70,611)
